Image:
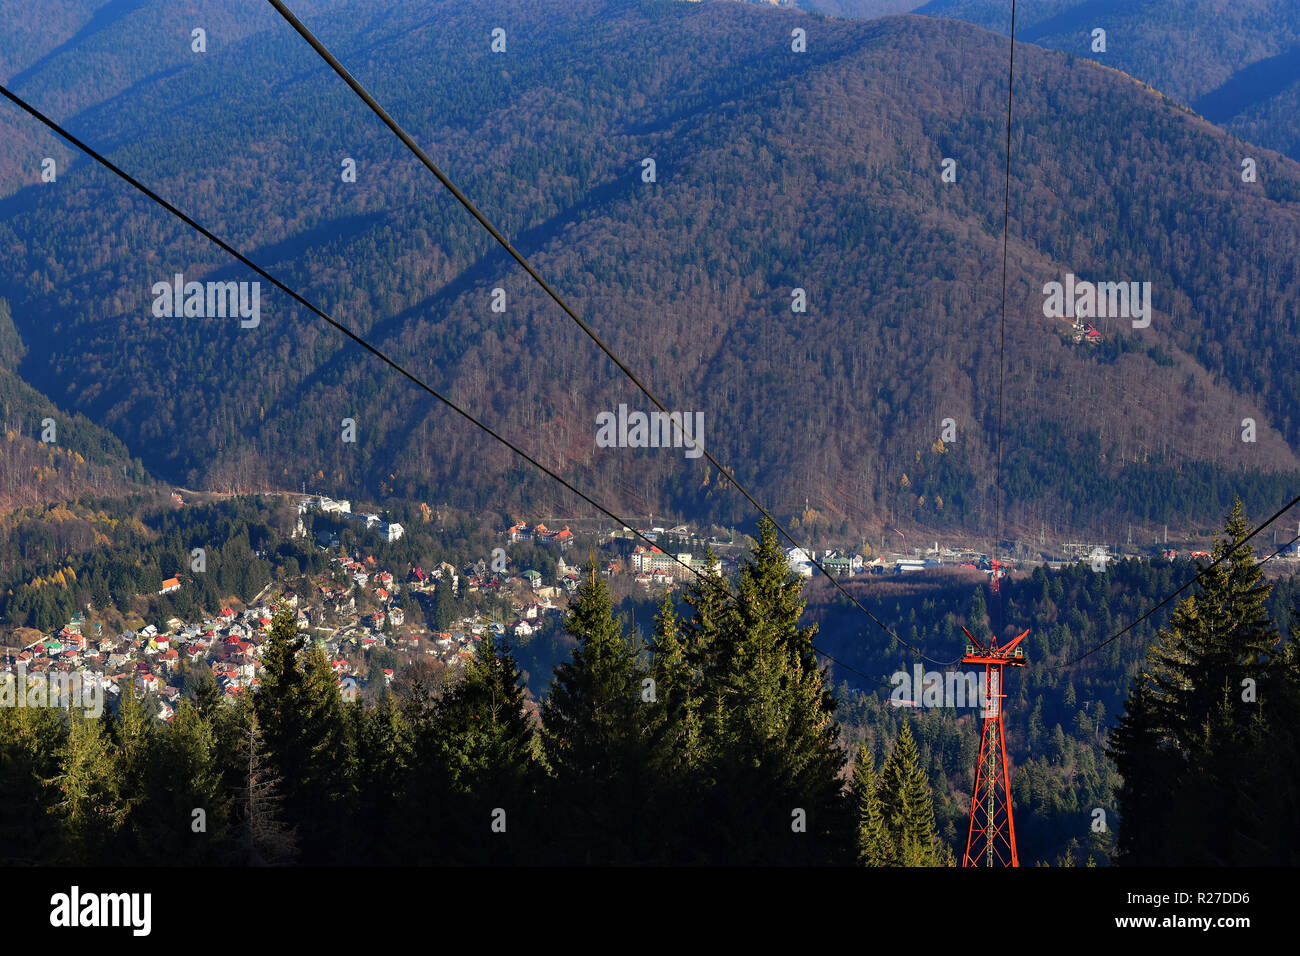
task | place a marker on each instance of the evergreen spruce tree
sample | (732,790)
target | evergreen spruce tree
(703,634)
(908,807)
(265,838)
(676,747)
(490,753)
(1179,748)
(445,610)
(1139,752)
(168,772)
(675,722)
(875,847)
(88,798)
(33,744)
(779,797)
(133,732)
(594,738)
(202,690)
(1267,819)
(1217,639)
(383,747)
(300,713)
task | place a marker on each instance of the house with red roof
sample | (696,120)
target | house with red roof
(149,683)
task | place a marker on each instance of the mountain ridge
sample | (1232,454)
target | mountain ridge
(775,159)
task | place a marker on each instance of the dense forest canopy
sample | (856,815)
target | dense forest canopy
(1235,63)
(775,171)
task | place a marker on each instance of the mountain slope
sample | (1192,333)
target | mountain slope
(775,171)
(1235,63)
(49,456)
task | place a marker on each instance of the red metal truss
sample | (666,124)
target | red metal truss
(992,837)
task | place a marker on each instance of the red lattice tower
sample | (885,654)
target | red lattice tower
(992,837)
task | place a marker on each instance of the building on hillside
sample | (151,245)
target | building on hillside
(838,566)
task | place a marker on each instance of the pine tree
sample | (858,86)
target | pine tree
(300,713)
(168,773)
(1273,757)
(908,807)
(490,754)
(89,803)
(1216,639)
(445,609)
(676,746)
(780,760)
(1137,748)
(133,732)
(187,755)
(203,690)
(874,844)
(1195,711)
(33,741)
(383,745)
(703,634)
(593,736)
(675,722)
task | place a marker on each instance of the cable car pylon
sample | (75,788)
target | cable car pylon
(992,837)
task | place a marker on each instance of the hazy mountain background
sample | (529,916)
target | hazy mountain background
(775,170)
(1237,64)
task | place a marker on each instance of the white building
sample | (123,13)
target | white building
(800,562)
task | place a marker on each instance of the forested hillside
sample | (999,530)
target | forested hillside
(50,456)
(774,171)
(1238,64)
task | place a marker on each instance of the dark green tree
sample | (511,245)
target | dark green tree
(88,794)
(908,806)
(33,748)
(490,751)
(875,847)
(265,838)
(383,745)
(594,738)
(299,711)
(779,797)
(1200,707)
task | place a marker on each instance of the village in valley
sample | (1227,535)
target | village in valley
(373,620)
(359,612)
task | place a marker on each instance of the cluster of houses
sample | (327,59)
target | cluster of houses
(148,660)
(482,577)
(845,564)
(230,645)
